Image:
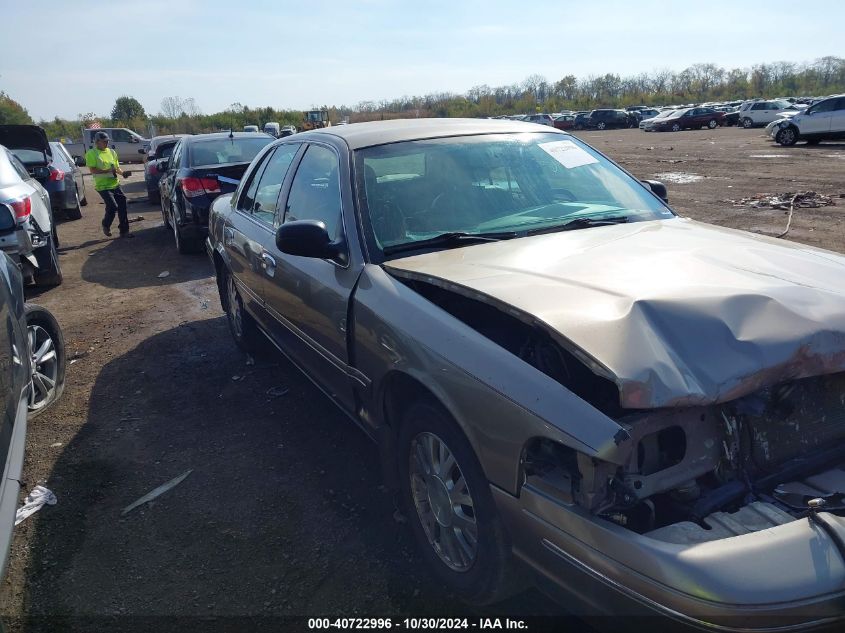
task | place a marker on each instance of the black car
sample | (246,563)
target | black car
(201,168)
(64,182)
(606,119)
(160,150)
(581,119)
(32,355)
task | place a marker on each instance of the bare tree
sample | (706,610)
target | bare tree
(171,107)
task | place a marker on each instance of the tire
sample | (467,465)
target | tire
(747,123)
(183,245)
(676,127)
(49,272)
(243,328)
(601,125)
(164,217)
(712,124)
(46,347)
(787,136)
(75,212)
(479,569)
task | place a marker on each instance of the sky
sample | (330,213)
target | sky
(63,58)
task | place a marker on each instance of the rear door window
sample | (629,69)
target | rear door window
(121,136)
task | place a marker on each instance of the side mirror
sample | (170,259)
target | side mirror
(658,189)
(79,161)
(41,172)
(134,139)
(308,238)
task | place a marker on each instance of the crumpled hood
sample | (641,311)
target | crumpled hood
(674,311)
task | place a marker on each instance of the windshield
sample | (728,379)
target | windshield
(225,150)
(497,183)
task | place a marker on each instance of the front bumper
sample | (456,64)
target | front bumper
(787,578)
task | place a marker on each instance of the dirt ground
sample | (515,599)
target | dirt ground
(282,512)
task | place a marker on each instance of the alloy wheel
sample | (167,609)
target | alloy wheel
(45,367)
(443,502)
(712,124)
(786,136)
(234,307)
(676,128)
(747,123)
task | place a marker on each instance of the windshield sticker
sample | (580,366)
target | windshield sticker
(568,154)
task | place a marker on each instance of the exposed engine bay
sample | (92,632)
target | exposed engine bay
(702,474)
(694,474)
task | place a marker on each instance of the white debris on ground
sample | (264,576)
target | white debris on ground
(802,200)
(678,177)
(35,500)
(157,492)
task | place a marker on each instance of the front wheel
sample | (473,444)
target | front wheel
(676,128)
(787,136)
(600,125)
(712,124)
(46,347)
(747,123)
(450,507)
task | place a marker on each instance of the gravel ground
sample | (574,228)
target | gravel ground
(282,513)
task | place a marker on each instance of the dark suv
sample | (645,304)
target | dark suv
(605,119)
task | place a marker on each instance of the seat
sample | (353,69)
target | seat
(387,218)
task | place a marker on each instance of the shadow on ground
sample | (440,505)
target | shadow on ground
(138,262)
(280,516)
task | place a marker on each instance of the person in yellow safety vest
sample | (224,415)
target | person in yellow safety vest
(102,161)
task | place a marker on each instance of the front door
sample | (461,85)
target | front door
(126,150)
(251,229)
(310,297)
(817,119)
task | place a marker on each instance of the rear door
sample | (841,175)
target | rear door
(309,297)
(168,178)
(251,228)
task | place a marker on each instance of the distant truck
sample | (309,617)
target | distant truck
(124,141)
(316,119)
(273,129)
(250,128)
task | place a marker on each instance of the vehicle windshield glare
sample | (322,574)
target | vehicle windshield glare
(496,183)
(225,150)
(29,156)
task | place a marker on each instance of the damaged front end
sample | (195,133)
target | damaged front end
(729,513)
(705,473)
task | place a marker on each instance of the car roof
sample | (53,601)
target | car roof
(359,135)
(189,140)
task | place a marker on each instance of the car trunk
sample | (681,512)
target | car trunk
(28,142)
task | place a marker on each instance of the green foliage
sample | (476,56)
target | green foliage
(696,84)
(12,112)
(126,110)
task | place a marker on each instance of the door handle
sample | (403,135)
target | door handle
(268,263)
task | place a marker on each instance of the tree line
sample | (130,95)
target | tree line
(696,84)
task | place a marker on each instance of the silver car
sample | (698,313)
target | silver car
(561,374)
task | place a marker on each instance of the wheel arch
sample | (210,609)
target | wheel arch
(397,389)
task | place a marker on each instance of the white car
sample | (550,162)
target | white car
(823,121)
(756,113)
(34,246)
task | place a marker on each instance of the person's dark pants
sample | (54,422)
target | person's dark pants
(115,201)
